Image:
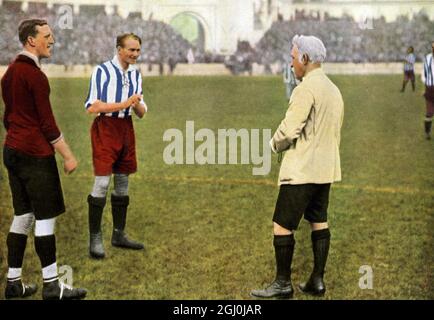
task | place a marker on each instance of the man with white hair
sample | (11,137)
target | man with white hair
(310,135)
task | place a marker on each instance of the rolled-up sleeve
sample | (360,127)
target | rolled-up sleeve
(290,128)
(94,87)
(424,74)
(47,123)
(140,91)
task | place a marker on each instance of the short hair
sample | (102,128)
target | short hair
(27,28)
(411,48)
(120,40)
(311,46)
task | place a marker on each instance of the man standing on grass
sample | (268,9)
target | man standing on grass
(115,91)
(428,80)
(310,135)
(32,136)
(409,62)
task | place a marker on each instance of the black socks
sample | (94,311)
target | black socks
(119,211)
(96,208)
(284,249)
(16,244)
(320,247)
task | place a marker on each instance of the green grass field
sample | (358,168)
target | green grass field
(208,229)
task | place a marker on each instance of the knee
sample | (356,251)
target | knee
(278,230)
(45,228)
(120,185)
(316,226)
(23,224)
(101,186)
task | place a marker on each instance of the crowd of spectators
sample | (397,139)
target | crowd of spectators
(348,40)
(91,38)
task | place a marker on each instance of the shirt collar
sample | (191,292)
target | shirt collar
(31,56)
(314,72)
(116,62)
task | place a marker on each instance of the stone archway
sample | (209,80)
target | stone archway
(192,27)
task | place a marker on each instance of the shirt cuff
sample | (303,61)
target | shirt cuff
(144,105)
(57,139)
(272,146)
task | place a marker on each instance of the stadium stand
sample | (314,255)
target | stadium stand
(91,39)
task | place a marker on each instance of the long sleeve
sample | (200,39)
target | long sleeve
(41,93)
(295,119)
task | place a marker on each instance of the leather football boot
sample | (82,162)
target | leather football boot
(57,290)
(120,239)
(278,289)
(96,247)
(17,289)
(314,286)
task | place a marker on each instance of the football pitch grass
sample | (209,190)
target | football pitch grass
(208,230)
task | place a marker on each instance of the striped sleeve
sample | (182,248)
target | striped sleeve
(140,90)
(94,87)
(428,72)
(425,68)
(413,59)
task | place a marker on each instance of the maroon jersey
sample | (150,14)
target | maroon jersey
(28,117)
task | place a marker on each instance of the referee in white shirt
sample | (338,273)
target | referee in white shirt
(115,91)
(428,79)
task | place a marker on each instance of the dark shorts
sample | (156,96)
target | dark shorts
(409,75)
(295,201)
(429,98)
(35,184)
(113,146)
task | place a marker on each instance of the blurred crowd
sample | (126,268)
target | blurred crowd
(93,34)
(91,39)
(348,40)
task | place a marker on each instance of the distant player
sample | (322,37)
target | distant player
(32,136)
(115,92)
(289,79)
(409,62)
(428,80)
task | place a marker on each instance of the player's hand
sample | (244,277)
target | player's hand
(69,165)
(95,107)
(134,100)
(138,104)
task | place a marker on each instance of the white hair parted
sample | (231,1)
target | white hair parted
(311,46)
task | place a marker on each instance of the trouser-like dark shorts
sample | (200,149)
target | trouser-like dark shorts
(113,146)
(409,75)
(295,201)
(429,98)
(34,183)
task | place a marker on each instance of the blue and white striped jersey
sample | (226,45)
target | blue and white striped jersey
(410,61)
(428,70)
(111,84)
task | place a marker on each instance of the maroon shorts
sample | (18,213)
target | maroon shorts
(113,146)
(429,97)
(409,75)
